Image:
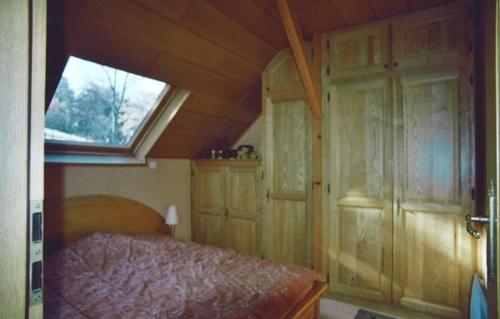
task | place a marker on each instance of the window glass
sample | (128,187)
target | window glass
(99,105)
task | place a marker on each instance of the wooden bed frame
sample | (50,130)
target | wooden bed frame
(70,219)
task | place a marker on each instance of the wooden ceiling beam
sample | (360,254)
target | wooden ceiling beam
(296,41)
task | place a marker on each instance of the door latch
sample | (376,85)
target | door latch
(489,220)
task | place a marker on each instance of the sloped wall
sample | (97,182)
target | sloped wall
(168,184)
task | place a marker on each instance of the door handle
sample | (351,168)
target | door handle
(490,220)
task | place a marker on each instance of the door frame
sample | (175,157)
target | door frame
(22,97)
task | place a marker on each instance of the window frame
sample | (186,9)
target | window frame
(67,152)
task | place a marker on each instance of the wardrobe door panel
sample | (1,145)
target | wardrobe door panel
(436,37)
(361,210)
(434,255)
(209,205)
(287,219)
(242,202)
(360,51)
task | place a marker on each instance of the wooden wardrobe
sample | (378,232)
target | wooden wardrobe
(397,161)
(227,204)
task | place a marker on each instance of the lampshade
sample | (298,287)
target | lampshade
(172,218)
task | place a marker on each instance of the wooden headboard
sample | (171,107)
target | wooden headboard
(70,219)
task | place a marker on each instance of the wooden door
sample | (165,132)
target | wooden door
(433,253)
(22,90)
(287,216)
(360,262)
(360,51)
(209,204)
(242,202)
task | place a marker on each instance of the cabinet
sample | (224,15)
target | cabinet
(227,204)
(400,163)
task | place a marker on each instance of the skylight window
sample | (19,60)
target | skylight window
(99,105)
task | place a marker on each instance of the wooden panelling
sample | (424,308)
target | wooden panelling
(423,4)
(253,17)
(215,26)
(354,12)
(389,8)
(154,31)
(188,76)
(321,14)
(172,9)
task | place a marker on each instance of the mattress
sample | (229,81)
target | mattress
(155,276)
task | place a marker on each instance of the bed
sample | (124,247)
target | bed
(110,257)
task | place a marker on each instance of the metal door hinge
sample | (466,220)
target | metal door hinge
(328,188)
(398,207)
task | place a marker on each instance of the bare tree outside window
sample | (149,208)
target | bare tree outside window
(97,104)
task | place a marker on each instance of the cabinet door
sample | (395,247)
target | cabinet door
(287,217)
(242,203)
(359,52)
(360,259)
(433,252)
(436,37)
(209,201)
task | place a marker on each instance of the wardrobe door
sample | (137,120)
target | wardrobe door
(242,206)
(360,214)
(287,217)
(209,204)
(434,254)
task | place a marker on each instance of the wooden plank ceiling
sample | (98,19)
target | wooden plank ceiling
(215,48)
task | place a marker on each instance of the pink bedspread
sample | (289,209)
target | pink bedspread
(119,276)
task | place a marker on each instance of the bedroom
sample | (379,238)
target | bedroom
(228,69)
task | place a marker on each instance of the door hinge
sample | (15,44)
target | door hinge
(398,207)
(473,193)
(328,96)
(328,188)
(328,278)
(327,70)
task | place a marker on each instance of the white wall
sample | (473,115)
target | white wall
(168,184)
(253,136)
